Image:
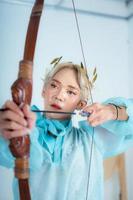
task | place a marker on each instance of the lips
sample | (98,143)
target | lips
(56,106)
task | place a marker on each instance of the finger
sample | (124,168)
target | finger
(28,113)
(12,106)
(12,116)
(11,125)
(101,113)
(88,109)
(97,121)
(30,116)
(95,114)
(99,118)
(12,134)
(93,107)
(31,123)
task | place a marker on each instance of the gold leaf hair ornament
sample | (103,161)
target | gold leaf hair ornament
(55,61)
(94,75)
(94,78)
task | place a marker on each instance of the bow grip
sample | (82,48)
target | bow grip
(22,94)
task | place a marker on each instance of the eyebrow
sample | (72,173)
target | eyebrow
(70,86)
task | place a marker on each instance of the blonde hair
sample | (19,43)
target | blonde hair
(83,81)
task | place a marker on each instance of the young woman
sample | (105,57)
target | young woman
(60,152)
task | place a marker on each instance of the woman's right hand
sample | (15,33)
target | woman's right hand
(16,122)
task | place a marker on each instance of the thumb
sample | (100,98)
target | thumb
(29,115)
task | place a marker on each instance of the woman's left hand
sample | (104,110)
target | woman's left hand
(100,113)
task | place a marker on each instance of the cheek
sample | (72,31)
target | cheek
(73,102)
(47,93)
(46,97)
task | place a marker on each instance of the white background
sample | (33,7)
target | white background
(108,45)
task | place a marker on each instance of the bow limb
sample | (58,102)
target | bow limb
(22,94)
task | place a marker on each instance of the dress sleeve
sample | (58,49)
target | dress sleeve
(36,152)
(6,158)
(113,137)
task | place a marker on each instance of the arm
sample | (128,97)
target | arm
(112,135)
(109,110)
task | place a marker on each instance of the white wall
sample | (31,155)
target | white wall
(129,157)
(131,51)
(106,46)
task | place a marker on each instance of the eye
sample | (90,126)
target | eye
(53,85)
(71,92)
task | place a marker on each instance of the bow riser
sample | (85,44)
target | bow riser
(22,94)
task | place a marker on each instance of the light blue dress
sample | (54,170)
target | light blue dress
(59,164)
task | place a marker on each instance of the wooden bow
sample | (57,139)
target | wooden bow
(22,94)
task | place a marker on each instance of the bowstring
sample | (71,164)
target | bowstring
(91,98)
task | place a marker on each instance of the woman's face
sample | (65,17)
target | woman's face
(62,93)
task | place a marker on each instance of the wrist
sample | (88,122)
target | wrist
(119,112)
(114,111)
(123,116)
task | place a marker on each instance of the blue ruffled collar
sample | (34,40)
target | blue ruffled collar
(58,128)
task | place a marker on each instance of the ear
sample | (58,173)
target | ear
(81,104)
(43,93)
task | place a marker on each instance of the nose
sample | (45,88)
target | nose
(60,95)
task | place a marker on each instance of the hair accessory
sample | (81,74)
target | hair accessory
(56,61)
(94,75)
